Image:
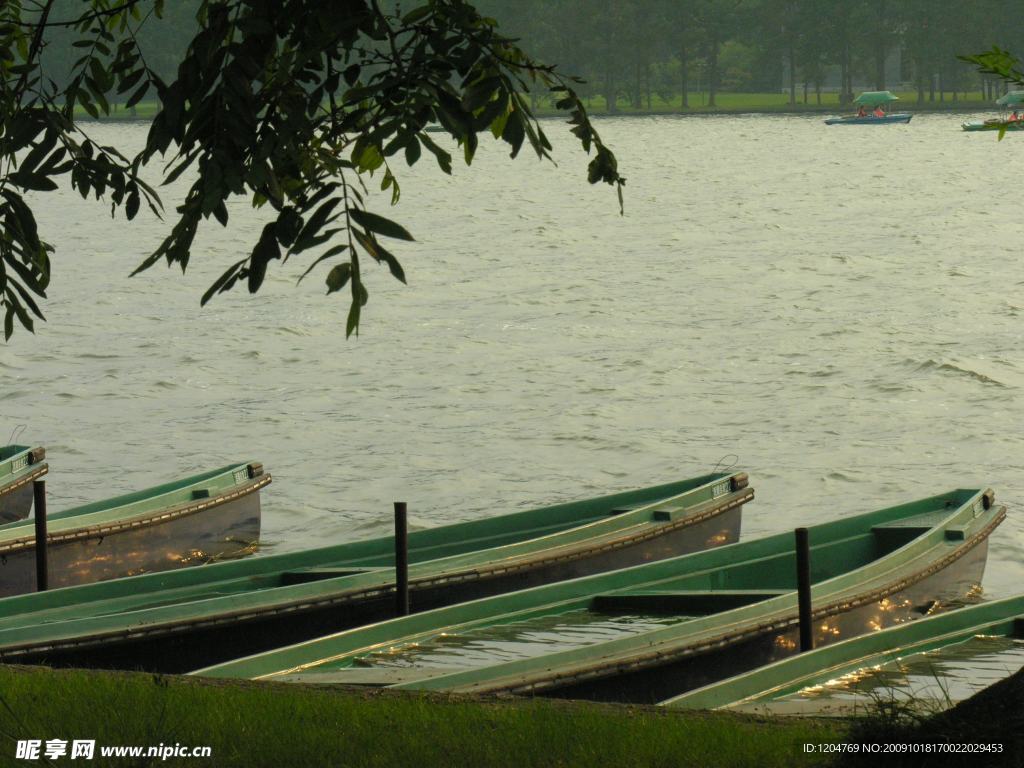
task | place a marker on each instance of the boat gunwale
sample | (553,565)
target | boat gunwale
(716,507)
(145,519)
(38,471)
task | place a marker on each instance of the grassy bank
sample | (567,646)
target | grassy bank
(264,724)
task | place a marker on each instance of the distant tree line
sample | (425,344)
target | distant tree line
(629,50)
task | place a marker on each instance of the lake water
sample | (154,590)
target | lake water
(842,308)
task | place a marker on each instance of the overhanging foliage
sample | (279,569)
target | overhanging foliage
(296,104)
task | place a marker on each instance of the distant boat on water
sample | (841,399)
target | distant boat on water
(872,100)
(1013,100)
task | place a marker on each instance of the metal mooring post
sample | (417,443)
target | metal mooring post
(39,502)
(401,559)
(803,588)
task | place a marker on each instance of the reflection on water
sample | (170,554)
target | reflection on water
(841,308)
(939,677)
(508,642)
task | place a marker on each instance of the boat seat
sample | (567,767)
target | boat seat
(668,514)
(626,508)
(899,532)
(700,603)
(307,575)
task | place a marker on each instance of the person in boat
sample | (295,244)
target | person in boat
(879,112)
(1014,117)
(861,112)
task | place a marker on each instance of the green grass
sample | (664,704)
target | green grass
(727,102)
(265,724)
(772,102)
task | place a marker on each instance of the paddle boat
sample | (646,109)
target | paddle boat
(868,101)
(644,634)
(181,620)
(1014,100)
(195,520)
(19,467)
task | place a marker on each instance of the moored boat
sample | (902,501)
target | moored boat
(19,467)
(871,100)
(646,633)
(1013,100)
(764,686)
(207,516)
(181,620)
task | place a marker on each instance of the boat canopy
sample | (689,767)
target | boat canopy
(1011,99)
(875,98)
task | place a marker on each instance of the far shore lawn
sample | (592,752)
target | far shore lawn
(726,102)
(253,724)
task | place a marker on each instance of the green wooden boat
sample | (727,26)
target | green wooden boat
(646,633)
(19,466)
(215,514)
(999,618)
(181,620)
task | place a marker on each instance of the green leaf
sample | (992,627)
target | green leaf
(514,132)
(223,283)
(131,206)
(417,14)
(334,251)
(34,181)
(316,222)
(338,277)
(353,319)
(379,225)
(444,159)
(412,151)
(266,249)
(137,96)
(388,258)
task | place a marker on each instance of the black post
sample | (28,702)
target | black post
(803,588)
(39,500)
(401,559)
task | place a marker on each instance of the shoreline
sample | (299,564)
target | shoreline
(249,724)
(148,109)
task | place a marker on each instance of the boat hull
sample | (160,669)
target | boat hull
(19,467)
(226,530)
(899,117)
(15,502)
(980,125)
(212,515)
(188,646)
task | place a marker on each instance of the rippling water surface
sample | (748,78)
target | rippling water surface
(842,308)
